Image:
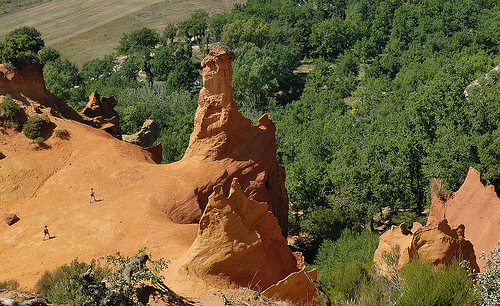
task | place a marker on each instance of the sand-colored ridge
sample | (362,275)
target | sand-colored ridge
(475,206)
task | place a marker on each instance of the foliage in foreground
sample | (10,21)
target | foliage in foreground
(344,265)
(424,284)
(116,283)
(489,279)
(348,276)
(9,284)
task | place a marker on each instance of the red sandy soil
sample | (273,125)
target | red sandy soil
(51,186)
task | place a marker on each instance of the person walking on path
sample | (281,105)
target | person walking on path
(46,233)
(92,195)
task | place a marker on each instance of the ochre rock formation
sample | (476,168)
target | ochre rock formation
(436,242)
(297,288)
(222,135)
(239,243)
(156,153)
(101,114)
(138,198)
(439,243)
(146,136)
(397,240)
(474,205)
(27,85)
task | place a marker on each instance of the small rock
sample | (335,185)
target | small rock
(11,218)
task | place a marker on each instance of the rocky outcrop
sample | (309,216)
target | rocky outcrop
(436,242)
(475,206)
(286,289)
(156,153)
(27,85)
(101,114)
(222,135)
(239,242)
(11,219)
(439,243)
(393,249)
(147,135)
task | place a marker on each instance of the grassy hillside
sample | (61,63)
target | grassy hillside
(84,30)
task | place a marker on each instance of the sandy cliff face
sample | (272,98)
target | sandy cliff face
(475,206)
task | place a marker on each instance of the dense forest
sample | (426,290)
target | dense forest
(372,100)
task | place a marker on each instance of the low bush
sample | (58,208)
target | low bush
(61,285)
(344,265)
(34,127)
(489,278)
(9,284)
(39,140)
(61,133)
(9,108)
(424,284)
(79,283)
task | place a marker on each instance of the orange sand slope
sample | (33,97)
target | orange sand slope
(51,187)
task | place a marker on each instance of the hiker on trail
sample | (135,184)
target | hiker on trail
(92,195)
(45,232)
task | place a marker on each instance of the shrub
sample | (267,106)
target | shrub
(489,279)
(9,284)
(9,108)
(424,284)
(66,285)
(39,140)
(344,264)
(34,127)
(61,286)
(61,133)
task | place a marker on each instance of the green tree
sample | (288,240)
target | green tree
(33,35)
(166,58)
(182,77)
(62,78)
(49,54)
(330,38)
(254,78)
(173,111)
(169,33)
(139,42)
(96,69)
(17,51)
(195,26)
(246,33)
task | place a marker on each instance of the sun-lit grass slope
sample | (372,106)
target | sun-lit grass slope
(83,30)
